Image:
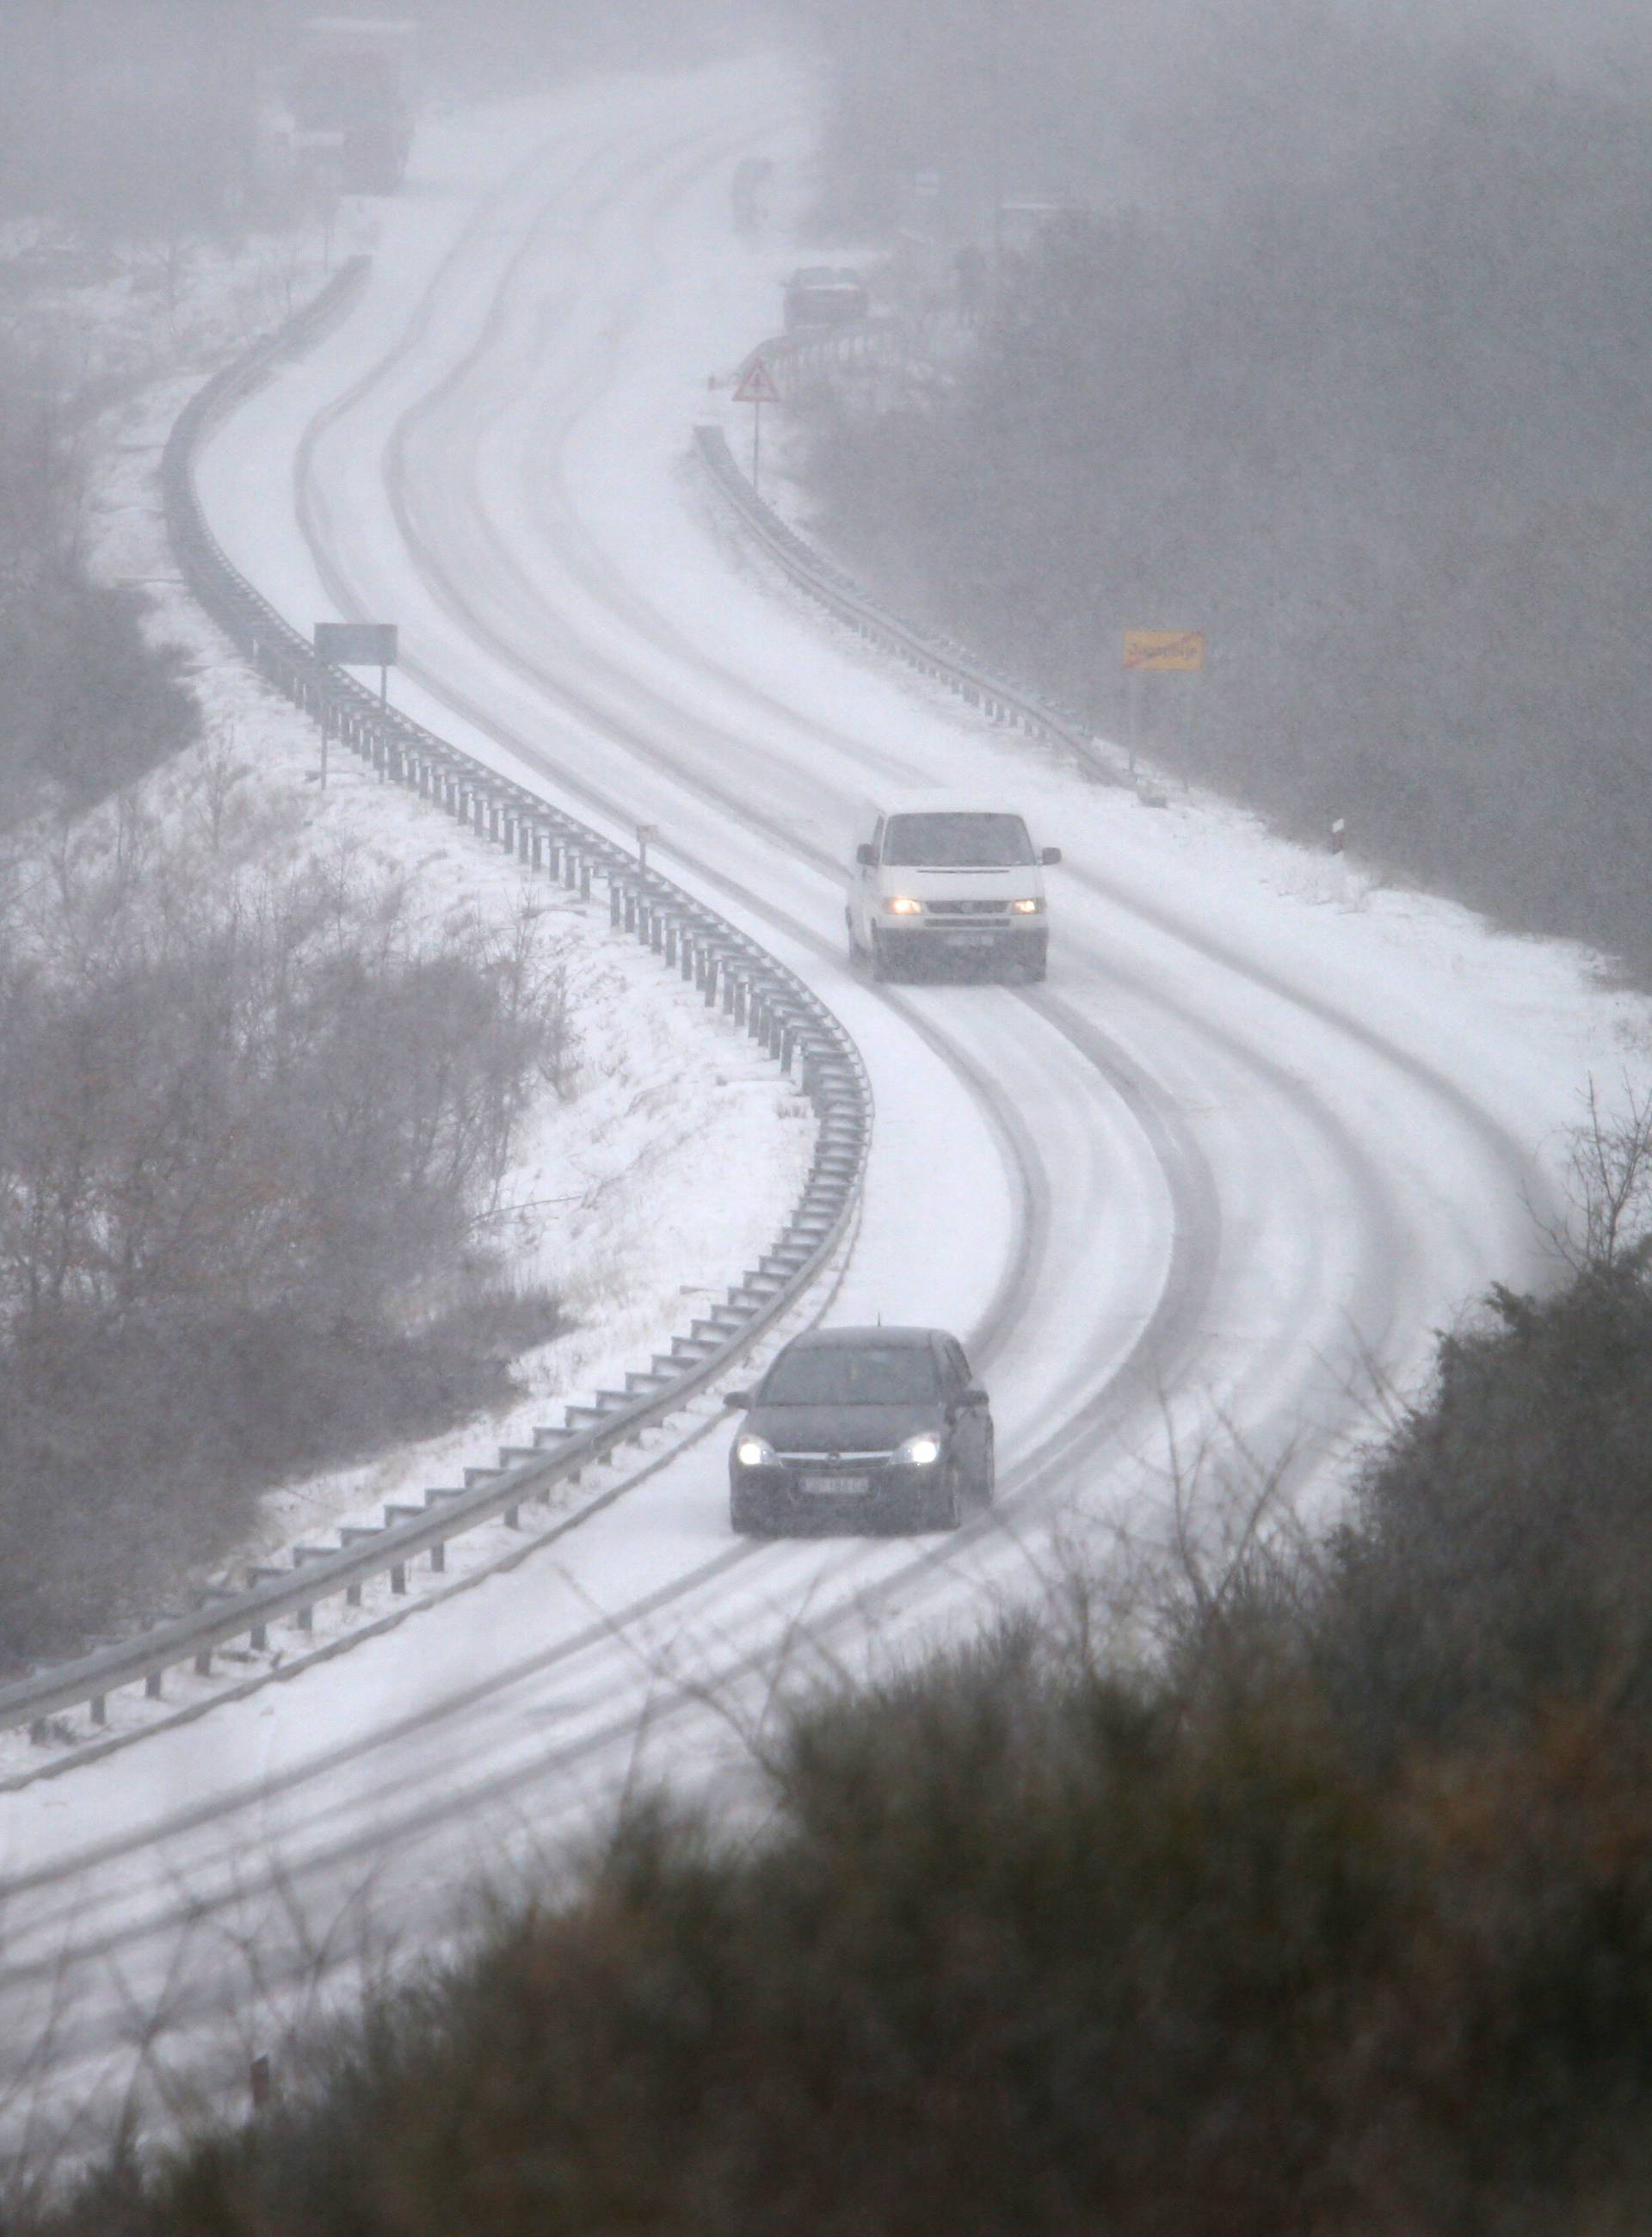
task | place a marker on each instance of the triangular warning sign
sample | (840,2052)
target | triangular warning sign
(757,385)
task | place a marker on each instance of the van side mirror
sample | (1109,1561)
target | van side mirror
(740,1398)
(1049,856)
(974,1395)
(866,854)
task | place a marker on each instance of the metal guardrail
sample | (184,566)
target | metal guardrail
(732,972)
(794,355)
(976,681)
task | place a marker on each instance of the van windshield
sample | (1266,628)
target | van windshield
(964,840)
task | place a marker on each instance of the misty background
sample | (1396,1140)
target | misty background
(1333,345)
(1327,337)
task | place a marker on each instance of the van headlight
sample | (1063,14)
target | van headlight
(921,1451)
(754,1452)
(904,905)
(1027,908)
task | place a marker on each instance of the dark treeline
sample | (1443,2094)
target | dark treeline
(88,703)
(1342,356)
(1333,1912)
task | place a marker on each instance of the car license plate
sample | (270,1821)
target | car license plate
(971,939)
(843,1487)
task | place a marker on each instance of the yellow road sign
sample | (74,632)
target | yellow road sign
(1163,649)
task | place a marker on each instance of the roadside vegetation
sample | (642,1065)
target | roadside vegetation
(250,1114)
(1274,1884)
(1338,353)
(89,704)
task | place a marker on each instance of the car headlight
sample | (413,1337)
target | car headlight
(754,1452)
(919,1452)
(1027,908)
(904,905)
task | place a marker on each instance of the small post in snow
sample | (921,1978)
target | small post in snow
(1339,858)
(644,833)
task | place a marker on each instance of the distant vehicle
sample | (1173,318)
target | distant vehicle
(943,879)
(821,295)
(750,193)
(347,94)
(856,1427)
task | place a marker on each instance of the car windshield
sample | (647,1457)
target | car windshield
(852,1374)
(964,841)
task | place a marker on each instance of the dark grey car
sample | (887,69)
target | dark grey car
(853,1428)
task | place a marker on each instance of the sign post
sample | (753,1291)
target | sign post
(358,644)
(757,388)
(1156,651)
(353,644)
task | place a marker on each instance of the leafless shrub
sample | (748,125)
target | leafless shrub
(243,1118)
(1609,1175)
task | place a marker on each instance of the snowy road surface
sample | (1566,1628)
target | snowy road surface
(1228,1171)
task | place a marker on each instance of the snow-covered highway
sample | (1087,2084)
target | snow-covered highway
(1221,1179)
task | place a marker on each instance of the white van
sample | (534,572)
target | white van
(944,878)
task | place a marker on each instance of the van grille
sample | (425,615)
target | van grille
(968,908)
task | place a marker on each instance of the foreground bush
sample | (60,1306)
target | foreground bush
(1029,1949)
(1500,1550)
(1251,1938)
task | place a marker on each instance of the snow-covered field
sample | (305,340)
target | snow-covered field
(1214,1188)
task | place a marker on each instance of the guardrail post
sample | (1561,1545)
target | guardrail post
(585,880)
(711,978)
(614,905)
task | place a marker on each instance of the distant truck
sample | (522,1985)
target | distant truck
(347,89)
(821,295)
